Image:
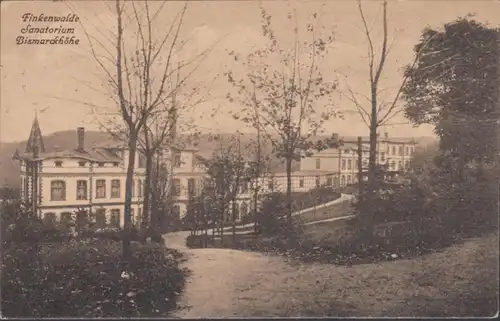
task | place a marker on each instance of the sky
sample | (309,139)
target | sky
(61,82)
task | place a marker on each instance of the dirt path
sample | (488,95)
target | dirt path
(228,283)
(220,278)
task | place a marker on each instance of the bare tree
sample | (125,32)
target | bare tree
(380,111)
(143,65)
(284,94)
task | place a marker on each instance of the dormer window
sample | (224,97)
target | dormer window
(58,163)
(100,164)
(82,163)
(116,164)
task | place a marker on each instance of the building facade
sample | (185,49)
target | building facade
(60,184)
(395,154)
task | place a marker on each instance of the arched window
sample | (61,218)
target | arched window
(58,190)
(342,180)
(244,209)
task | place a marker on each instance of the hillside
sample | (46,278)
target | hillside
(9,169)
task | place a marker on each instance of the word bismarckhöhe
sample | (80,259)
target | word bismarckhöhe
(57,40)
(29,17)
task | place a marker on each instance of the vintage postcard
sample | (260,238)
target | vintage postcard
(238,159)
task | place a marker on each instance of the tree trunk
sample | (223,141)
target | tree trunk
(146,212)
(233,210)
(127,253)
(289,190)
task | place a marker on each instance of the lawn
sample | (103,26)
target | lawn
(461,281)
(331,211)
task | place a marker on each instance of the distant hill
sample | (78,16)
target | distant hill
(9,168)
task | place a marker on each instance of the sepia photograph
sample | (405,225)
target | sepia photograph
(249,159)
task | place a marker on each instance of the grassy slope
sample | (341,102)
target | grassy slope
(460,281)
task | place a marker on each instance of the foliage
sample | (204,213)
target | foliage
(450,87)
(88,279)
(283,91)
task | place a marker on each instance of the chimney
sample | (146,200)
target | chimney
(81,138)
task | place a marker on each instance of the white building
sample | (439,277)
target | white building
(63,183)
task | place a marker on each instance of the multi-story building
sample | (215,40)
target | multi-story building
(60,184)
(394,154)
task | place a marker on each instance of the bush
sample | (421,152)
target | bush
(88,279)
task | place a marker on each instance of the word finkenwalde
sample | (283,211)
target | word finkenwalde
(29,17)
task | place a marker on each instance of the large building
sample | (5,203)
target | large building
(60,184)
(338,166)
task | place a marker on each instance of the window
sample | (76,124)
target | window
(343,164)
(66,219)
(115,188)
(400,150)
(140,188)
(57,191)
(349,164)
(346,151)
(329,180)
(81,219)
(100,218)
(349,179)
(365,162)
(342,180)
(116,164)
(142,161)
(393,150)
(82,163)
(318,181)
(388,150)
(400,165)
(132,216)
(407,150)
(133,188)
(382,156)
(81,190)
(100,164)
(191,186)
(407,165)
(115,218)
(244,209)
(244,187)
(318,163)
(49,219)
(176,211)
(393,165)
(176,187)
(177,160)
(270,185)
(58,163)
(301,182)
(100,188)
(139,214)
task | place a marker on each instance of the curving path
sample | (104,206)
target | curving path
(219,278)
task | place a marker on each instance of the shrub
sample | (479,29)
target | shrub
(88,279)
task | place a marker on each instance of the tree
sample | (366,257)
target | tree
(138,69)
(380,111)
(227,172)
(454,86)
(283,92)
